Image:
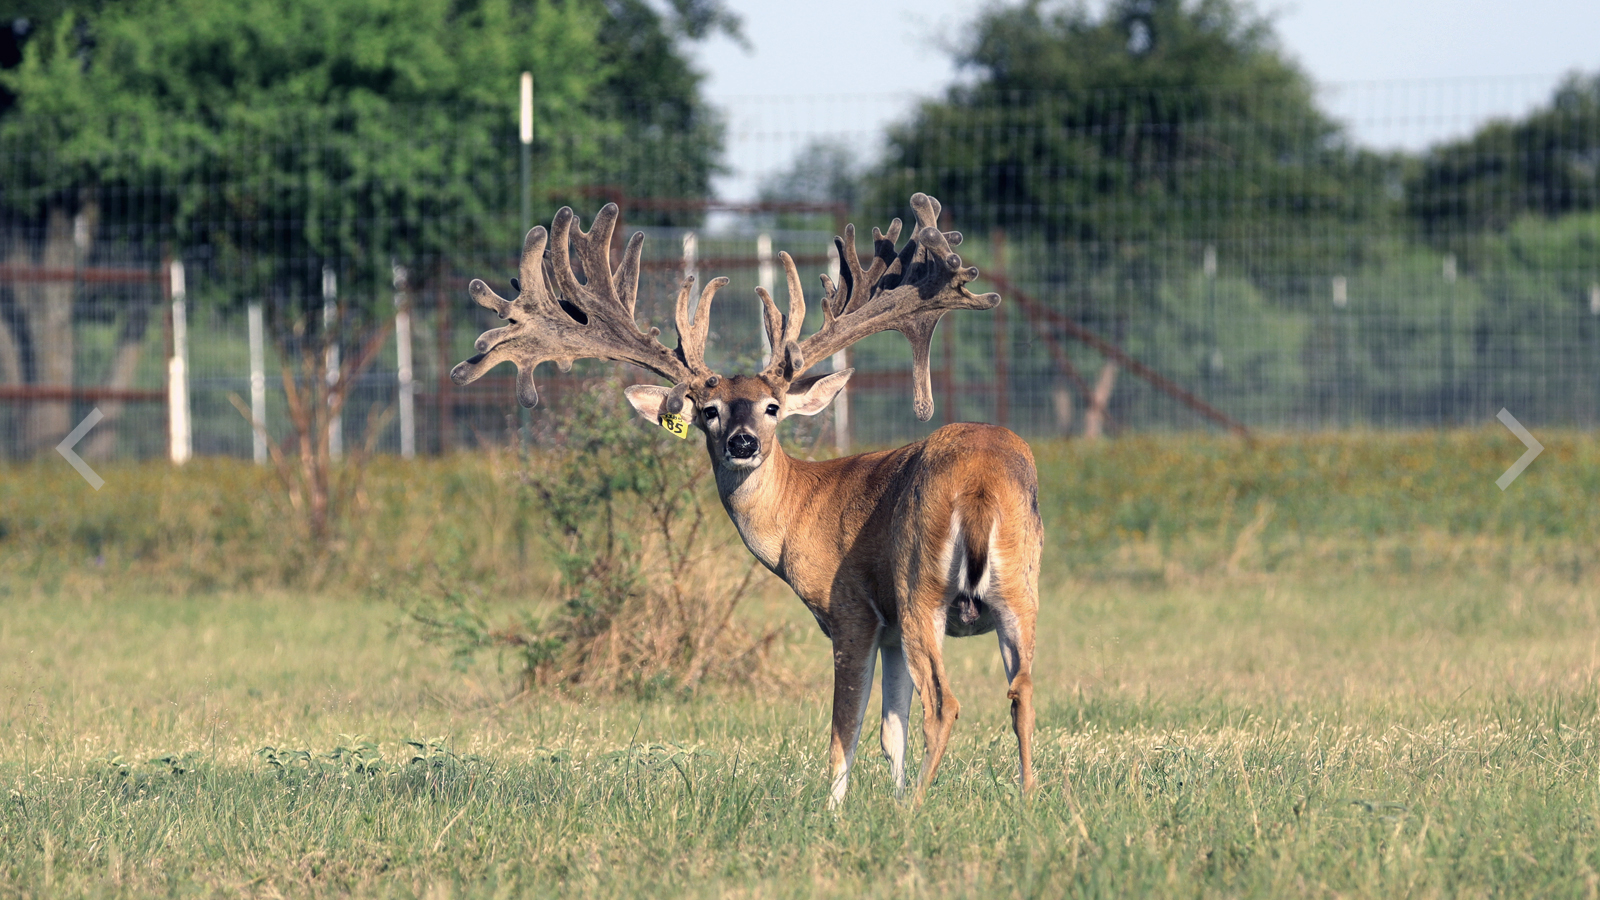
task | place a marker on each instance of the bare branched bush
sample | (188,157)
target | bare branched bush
(315,485)
(649,582)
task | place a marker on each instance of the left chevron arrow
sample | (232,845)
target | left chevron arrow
(74,460)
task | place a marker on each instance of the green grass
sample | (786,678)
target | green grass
(1141,506)
(1374,502)
(1259,675)
(1233,737)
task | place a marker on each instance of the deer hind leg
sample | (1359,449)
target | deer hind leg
(923,643)
(897,690)
(1014,626)
(853,662)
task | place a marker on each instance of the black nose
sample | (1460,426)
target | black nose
(743,446)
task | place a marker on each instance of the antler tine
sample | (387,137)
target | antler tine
(593,249)
(908,292)
(783,332)
(531,265)
(797,300)
(568,320)
(693,332)
(771,318)
(849,268)
(531,268)
(834,296)
(626,278)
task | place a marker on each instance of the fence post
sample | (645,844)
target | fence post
(1002,369)
(258,384)
(525,132)
(765,277)
(525,138)
(841,361)
(1447,375)
(1341,298)
(180,438)
(330,320)
(408,386)
(444,415)
(1594,358)
(1208,266)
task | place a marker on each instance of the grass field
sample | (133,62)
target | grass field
(1343,666)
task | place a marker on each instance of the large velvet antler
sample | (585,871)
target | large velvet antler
(556,318)
(908,292)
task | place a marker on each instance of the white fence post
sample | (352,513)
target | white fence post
(841,361)
(525,132)
(258,384)
(330,319)
(765,277)
(408,386)
(180,436)
(691,254)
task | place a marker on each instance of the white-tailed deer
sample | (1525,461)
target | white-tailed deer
(891,551)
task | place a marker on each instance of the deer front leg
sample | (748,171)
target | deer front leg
(854,658)
(896,712)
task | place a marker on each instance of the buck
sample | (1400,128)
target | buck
(890,551)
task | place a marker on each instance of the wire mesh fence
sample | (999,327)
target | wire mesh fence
(1240,268)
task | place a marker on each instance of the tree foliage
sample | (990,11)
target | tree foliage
(1157,120)
(1545,164)
(672,138)
(824,171)
(286,133)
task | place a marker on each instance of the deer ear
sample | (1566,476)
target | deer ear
(647,400)
(809,396)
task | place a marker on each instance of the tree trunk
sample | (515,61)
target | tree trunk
(47,312)
(1094,419)
(13,334)
(10,355)
(1061,400)
(10,370)
(124,367)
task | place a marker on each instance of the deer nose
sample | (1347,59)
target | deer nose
(743,446)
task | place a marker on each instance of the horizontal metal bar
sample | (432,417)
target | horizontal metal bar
(711,264)
(56,393)
(87,274)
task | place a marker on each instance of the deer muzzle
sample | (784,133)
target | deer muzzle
(743,446)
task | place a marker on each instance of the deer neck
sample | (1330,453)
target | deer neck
(756,501)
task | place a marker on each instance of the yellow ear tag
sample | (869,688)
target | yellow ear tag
(675,425)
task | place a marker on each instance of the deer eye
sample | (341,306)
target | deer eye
(710,413)
(772,409)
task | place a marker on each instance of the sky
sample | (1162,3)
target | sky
(1400,73)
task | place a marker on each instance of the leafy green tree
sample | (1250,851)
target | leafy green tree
(1137,133)
(1115,146)
(825,171)
(347,130)
(277,138)
(362,131)
(672,140)
(1544,164)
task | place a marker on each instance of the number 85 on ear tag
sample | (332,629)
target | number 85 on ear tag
(675,424)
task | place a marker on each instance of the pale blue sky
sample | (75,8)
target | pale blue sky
(1403,73)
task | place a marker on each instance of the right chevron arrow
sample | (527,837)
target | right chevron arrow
(1534,449)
